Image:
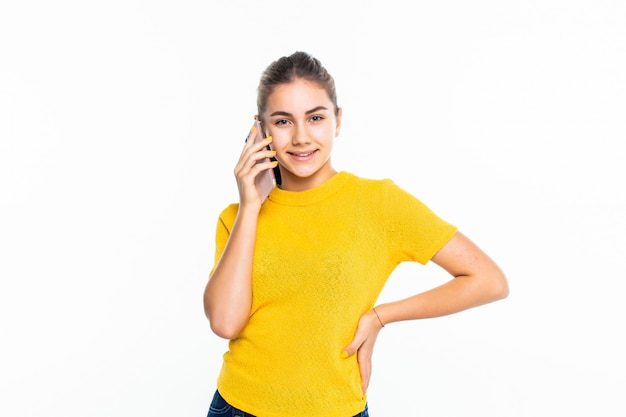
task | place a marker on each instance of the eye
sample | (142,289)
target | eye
(281,122)
(316,118)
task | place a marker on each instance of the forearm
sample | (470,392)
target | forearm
(228,294)
(477,281)
(461,293)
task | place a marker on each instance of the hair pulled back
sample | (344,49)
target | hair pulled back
(299,65)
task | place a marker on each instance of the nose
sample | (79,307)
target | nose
(301,136)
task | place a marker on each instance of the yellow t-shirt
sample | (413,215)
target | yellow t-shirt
(322,257)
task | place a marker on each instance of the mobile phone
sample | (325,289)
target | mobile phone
(266,180)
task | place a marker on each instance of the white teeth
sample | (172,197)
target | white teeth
(303,154)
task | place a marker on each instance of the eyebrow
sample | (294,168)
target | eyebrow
(284,113)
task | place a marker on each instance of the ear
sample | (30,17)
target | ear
(338,125)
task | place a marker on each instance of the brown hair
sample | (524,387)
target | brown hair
(289,68)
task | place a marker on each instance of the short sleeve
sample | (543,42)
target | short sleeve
(222,231)
(414,232)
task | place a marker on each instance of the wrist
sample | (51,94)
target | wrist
(249,209)
(382,324)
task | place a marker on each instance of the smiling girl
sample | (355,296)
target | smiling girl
(296,276)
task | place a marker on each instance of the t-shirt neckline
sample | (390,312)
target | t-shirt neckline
(311,196)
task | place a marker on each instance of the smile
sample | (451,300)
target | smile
(302,155)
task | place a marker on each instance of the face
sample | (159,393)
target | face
(301,119)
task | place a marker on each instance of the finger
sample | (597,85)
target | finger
(259,162)
(249,144)
(252,155)
(365,368)
(360,336)
(349,350)
(352,348)
(252,134)
(250,149)
(262,166)
(255,136)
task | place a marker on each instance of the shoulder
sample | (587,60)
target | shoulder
(356,180)
(375,187)
(387,198)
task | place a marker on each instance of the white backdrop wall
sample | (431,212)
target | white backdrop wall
(121,122)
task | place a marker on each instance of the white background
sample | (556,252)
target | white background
(121,122)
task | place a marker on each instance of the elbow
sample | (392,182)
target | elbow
(224,331)
(499,286)
(490,286)
(501,293)
(223,326)
(224,322)
(505,289)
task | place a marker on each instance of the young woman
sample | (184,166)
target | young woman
(297,275)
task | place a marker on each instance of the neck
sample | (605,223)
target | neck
(291,182)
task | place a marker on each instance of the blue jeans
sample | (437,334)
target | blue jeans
(220,408)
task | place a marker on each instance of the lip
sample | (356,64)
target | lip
(303,155)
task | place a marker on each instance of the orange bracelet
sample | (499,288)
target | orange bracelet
(379,320)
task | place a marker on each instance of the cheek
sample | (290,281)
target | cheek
(325,133)
(280,138)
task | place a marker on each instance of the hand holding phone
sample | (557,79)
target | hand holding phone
(265,180)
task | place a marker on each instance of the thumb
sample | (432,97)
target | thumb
(350,349)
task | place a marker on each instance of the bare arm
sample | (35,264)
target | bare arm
(228,294)
(477,280)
